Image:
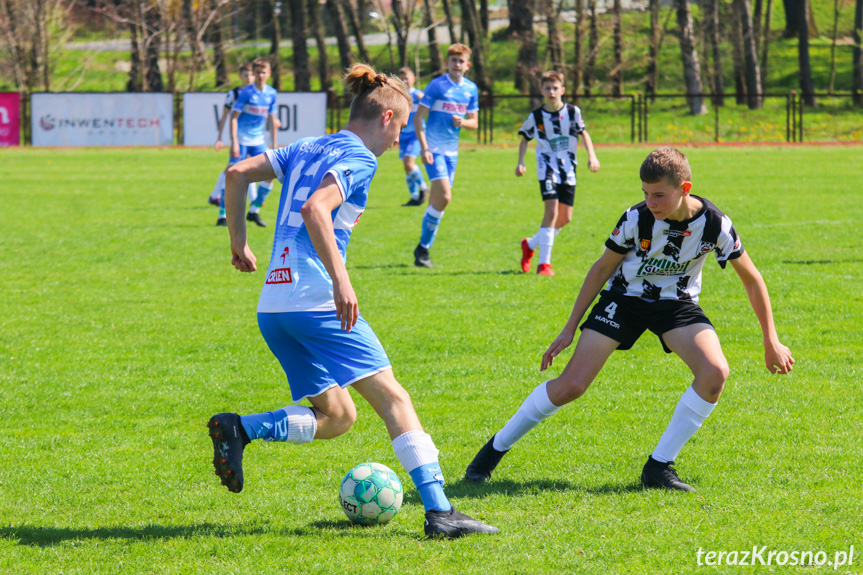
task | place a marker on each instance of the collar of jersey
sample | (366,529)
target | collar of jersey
(351,134)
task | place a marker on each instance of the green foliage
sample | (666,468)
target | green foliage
(123,327)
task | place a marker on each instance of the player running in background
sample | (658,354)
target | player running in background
(556,128)
(652,265)
(231,97)
(308,312)
(451,103)
(255,104)
(409,146)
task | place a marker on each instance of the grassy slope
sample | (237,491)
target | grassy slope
(123,327)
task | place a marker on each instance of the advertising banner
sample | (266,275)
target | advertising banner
(10,119)
(120,119)
(301,114)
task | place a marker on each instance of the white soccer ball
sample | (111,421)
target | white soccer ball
(371,494)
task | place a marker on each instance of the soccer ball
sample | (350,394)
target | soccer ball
(371,494)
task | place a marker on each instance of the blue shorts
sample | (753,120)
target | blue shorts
(443,167)
(247,152)
(409,145)
(317,354)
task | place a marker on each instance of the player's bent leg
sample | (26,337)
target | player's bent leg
(418,455)
(591,353)
(698,346)
(335,412)
(441,194)
(564,216)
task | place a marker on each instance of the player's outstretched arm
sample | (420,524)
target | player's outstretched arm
(317,215)
(470,121)
(592,161)
(237,180)
(777,357)
(225,113)
(235,140)
(520,169)
(599,273)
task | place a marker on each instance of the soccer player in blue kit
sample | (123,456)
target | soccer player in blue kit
(451,103)
(308,312)
(254,105)
(651,268)
(409,146)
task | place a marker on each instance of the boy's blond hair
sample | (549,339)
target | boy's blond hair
(665,163)
(552,76)
(375,93)
(458,50)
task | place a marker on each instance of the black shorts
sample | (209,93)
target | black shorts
(624,318)
(564,193)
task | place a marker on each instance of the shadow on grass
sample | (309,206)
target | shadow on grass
(36,536)
(822,262)
(464,489)
(438,271)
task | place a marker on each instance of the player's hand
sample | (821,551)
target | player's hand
(428,157)
(520,170)
(563,341)
(347,307)
(777,358)
(235,151)
(457,121)
(243,259)
(593,164)
(218,145)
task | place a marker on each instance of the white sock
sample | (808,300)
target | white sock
(252,192)
(557,231)
(532,412)
(415,448)
(690,413)
(546,241)
(534,241)
(220,185)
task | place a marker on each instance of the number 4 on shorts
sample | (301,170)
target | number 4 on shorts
(611,310)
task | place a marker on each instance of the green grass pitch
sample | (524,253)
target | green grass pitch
(123,327)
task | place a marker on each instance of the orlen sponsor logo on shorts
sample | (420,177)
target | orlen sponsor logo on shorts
(660,267)
(279,276)
(610,322)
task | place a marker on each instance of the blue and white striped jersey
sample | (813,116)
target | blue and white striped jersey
(254,105)
(297,279)
(445,99)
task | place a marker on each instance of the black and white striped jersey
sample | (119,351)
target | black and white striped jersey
(231,97)
(556,136)
(664,259)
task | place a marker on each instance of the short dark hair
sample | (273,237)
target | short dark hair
(552,76)
(665,163)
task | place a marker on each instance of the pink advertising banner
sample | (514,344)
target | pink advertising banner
(10,119)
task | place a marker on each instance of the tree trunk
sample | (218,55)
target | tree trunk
(450,26)
(402,24)
(593,47)
(617,70)
(337,19)
(520,18)
(753,72)
(653,52)
(757,16)
(837,9)
(133,84)
(527,61)
(434,49)
(793,22)
(470,25)
(765,44)
(152,49)
(857,55)
(276,39)
(356,29)
(483,19)
(219,54)
(579,56)
(807,88)
(714,40)
(555,46)
(302,72)
(314,11)
(691,68)
(737,55)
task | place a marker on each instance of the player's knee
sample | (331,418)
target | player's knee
(563,219)
(343,419)
(567,389)
(714,376)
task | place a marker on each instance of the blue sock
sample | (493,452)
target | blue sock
(264,189)
(429,482)
(431,223)
(413,186)
(269,426)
